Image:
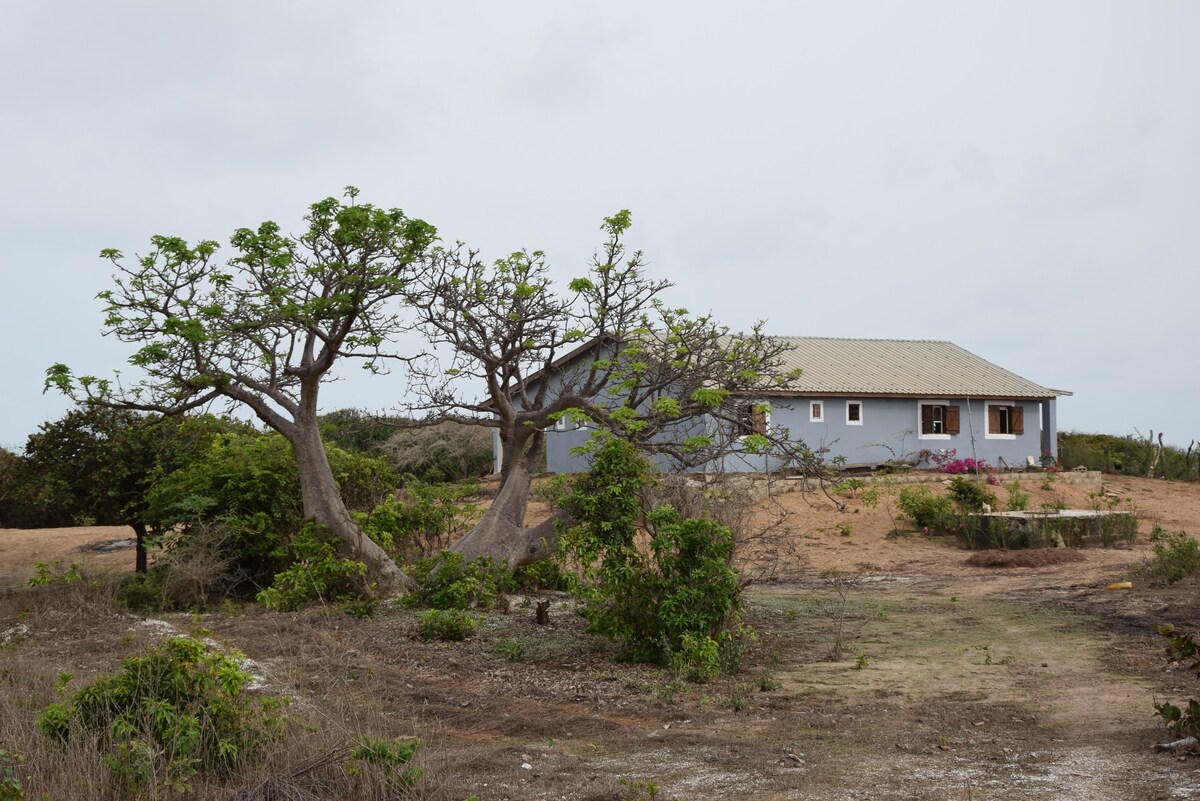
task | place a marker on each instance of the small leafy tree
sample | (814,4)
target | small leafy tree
(671,597)
(265,329)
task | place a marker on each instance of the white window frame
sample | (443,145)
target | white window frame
(987,419)
(560,424)
(819,417)
(861,413)
(921,435)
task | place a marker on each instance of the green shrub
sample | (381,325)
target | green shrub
(250,483)
(316,573)
(447,581)
(446,624)
(971,496)
(546,574)
(393,757)
(553,490)
(54,573)
(11,786)
(420,520)
(1176,556)
(679,598)
(174,712)
(1018,501)
(144,592)
(698,658)
(929,512)
(1184,721)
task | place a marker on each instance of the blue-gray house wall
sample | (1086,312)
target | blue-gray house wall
(888,428)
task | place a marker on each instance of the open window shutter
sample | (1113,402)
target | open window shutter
(758,420)
(993,419)
(1016,416)
(926,419)
(952,420)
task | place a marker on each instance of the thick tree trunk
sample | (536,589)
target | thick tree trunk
(139,528)
(323,503)
(501,534)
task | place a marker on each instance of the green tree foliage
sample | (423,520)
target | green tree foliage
(265,328)
(98,464)
(249,482)
(667,592)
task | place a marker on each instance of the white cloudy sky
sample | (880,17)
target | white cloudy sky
(1020,178)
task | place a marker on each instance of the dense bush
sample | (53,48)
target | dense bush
(420,519)
(454,625)
(447,581)
(250,483)
(674,599)
(176,711)
(970,495)
(928,512)
(193,572)
(315,572)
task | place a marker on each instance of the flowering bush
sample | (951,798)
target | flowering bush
(947,461)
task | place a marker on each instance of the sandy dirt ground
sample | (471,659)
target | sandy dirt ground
(886,667)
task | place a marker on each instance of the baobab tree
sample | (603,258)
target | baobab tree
(264,329)
(607,351)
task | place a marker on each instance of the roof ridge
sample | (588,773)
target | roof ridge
(862,339)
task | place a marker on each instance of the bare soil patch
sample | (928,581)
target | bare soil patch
(893,668)
(1028,557)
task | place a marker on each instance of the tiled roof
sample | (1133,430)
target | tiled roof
(901,367)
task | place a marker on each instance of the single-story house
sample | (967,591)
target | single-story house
(869,401)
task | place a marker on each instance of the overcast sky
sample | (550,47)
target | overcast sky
(1020,178)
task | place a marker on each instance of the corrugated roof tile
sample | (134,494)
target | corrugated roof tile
(901,367)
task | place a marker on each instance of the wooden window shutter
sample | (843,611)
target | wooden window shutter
(1016,418)
(926,419)
(993,420)
(952,420)
(758,421)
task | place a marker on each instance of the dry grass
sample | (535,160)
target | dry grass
(60,638)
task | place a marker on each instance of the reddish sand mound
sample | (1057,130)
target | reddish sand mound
(1032,557)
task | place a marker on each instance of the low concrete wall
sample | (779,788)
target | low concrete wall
(1073,528)
(760,486)
(1091,479)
